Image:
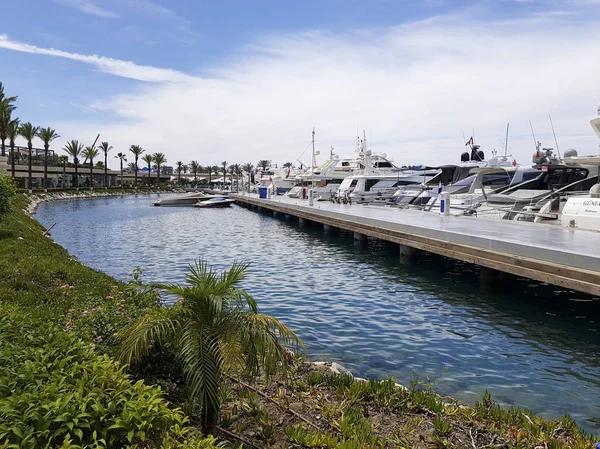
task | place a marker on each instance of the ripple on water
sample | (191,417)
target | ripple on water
(355,304)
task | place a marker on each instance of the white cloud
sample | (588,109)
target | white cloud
(125,69)
(415,88)
(87,7)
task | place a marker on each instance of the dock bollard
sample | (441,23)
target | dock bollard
(445,203)
(310,197)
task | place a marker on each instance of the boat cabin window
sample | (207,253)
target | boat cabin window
(562,177)
(383,164)
(529,175)
(496,179)
(370,183)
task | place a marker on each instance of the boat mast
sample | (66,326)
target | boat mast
(555,141)
(506,141)
(312,171)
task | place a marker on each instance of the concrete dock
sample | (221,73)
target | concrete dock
(566,257)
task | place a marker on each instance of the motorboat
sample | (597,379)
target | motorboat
(218,201)
(583,211)
(541,198)
(187,199)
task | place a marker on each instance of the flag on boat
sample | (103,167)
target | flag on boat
(470,141)
(288,173)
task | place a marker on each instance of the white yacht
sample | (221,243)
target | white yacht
(325,179)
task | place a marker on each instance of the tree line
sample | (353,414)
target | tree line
(11,128)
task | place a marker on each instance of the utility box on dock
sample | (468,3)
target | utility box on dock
(445,203)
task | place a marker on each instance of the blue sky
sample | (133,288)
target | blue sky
(247,80)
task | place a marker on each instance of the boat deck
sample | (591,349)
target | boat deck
(561,256)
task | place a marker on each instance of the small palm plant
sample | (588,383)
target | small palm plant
(89,154)
(105,147)
(214,329)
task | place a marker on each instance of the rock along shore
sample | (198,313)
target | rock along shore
(37,198)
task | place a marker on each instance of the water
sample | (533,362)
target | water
(531,345)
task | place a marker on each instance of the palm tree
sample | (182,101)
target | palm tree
(238,173)
(63,160)
(137,151)
(179,168)
(148,159)
(264,164)
(29,132)
(195,167)
(105,147)
(122,158)
(74,148)
(215,330)
(46,135)
(215,169)
(224,166)
(231,174)
(6,109)
(248,169)
(90,153)
(159,159)
(13,132)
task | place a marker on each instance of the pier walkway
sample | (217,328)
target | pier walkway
(547,253)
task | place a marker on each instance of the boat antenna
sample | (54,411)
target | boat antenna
(506,141)
(473,136)
(535,142)
(464,137)
(555,141)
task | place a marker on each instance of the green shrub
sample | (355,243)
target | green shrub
(7,192)
(54,390)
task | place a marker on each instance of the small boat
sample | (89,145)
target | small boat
(188,199)
(219,201)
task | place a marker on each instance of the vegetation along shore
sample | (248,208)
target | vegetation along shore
(87,361)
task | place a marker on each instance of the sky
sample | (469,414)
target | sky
(240,81)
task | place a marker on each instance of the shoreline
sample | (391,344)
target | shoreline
(35,199)
(423,417)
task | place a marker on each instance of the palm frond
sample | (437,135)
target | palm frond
(159,327)
(201,361)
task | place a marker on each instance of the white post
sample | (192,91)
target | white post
(445,203)
(310,197)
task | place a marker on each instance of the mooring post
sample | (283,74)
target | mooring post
(360,237)
(406,252)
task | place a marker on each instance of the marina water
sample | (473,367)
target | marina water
(460,328)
